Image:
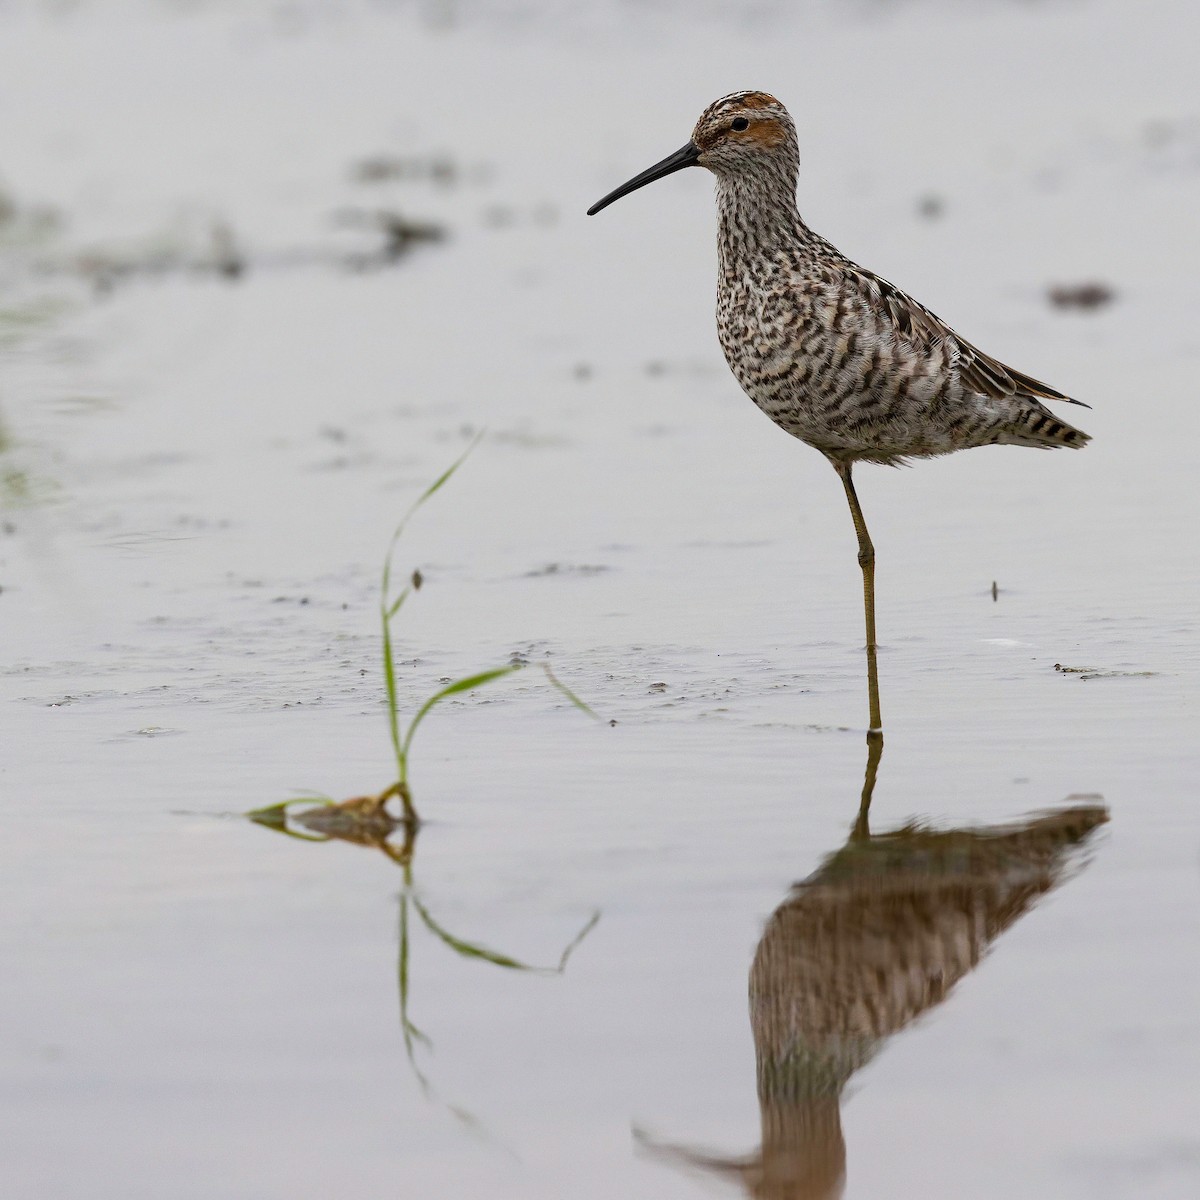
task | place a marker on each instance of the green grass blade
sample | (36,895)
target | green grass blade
(448,472)
(475,950)
(414,1036)
(389,607)
(419,1035)
(459,685)
(271,814)
(470,949)
(431,490)
(472,1123)
(274,816)
(398,603)
(592,921)
(411,1034)
(402,963)
(570,695)
(393,702)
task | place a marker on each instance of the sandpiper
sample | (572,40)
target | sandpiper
(835,355)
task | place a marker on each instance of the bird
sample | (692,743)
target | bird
(834,354)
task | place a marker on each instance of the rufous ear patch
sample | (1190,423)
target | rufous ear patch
(767,134)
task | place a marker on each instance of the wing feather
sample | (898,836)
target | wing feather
(925,330)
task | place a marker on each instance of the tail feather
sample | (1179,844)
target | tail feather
(1036,425)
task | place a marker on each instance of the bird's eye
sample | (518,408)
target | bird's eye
(738,124)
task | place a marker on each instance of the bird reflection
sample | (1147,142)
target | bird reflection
(876,937)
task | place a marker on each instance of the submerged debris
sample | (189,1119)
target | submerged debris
(556,568)
(228,261)
(380,168)
(1101,672)
(400,233)
(191,246)
(931,206)
(1083,296)
(363,819)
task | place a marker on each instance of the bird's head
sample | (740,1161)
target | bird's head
(740,134)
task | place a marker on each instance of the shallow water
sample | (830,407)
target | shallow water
(201,474)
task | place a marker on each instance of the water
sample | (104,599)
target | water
(202,472)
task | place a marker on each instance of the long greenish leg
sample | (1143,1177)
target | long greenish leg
(866,560)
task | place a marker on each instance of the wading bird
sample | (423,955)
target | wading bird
(832,353)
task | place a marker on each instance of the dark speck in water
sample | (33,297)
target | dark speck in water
(931,207)
(1083,296)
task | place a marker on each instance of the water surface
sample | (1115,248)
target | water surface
(201,469)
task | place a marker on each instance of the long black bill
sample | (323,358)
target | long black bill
(685,157)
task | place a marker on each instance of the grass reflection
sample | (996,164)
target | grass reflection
(363,822)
